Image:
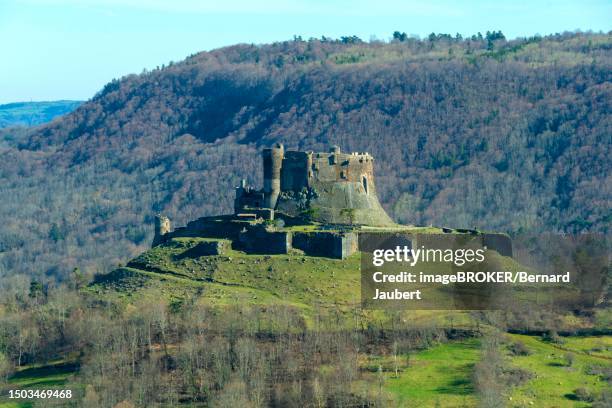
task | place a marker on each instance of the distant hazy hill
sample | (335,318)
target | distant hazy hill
(487,133)
(34,113)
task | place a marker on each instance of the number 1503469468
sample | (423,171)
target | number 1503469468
(40,394)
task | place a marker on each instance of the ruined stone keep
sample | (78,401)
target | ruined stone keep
(332,188)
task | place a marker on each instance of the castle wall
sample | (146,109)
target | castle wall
(250,199)
(258,240)
(501,243)
(207,248)
(446,241)
(330,167)
(350,244)
(324,168)
(301,169)
(214,227)
(295,171)
(498,242)
(326,244)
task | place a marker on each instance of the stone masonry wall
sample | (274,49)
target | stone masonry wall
(327,244)
(258,240)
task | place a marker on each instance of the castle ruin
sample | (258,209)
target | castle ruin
(315,203)
(331,188)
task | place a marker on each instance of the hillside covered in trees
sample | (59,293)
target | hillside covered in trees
(476,132)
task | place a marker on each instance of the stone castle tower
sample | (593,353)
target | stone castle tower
(332,187)
(162,228)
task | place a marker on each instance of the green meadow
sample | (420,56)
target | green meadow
(440,375)
(556,375)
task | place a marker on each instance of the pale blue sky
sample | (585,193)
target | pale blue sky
(68,49)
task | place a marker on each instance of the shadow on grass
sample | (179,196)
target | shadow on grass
(44,383)
(583,397)
(457,387)
(571,396)
(38,374)
(201,249)
(462,385)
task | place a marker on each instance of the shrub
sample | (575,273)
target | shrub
(603,371)
(519,349)
(516,376)
(553,337)
(582,394)
(570,358)
(604,400)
